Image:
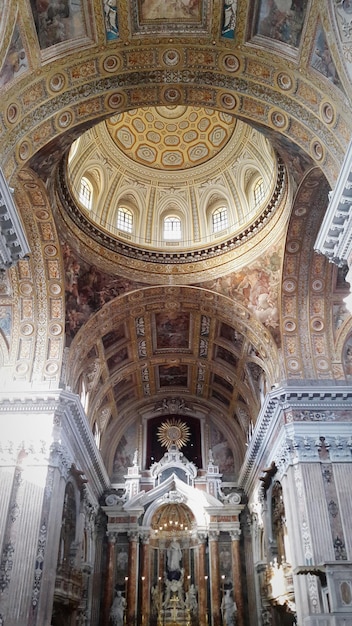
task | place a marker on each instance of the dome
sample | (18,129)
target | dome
(136,176)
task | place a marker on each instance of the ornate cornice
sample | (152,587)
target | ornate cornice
(289,428)
(69,423)
(335,236)
(13,242)
(166,257)
(72,411)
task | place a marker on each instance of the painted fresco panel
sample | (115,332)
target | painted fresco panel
(172,330)
(256,287)
(57,22)
(124,453)
(111,19)
(173,376)
(321,59)
(222,453)
(87,290)
(347,359)
(158,16)
(6,320)
(281,20)
(15,62)
(186,10)
(229,19)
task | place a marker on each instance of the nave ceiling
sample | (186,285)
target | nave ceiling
(213,331)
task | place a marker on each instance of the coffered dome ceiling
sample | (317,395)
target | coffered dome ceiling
(180,161)
(171,137)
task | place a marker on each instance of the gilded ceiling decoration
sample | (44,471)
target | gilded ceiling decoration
(171,137)
(213,320)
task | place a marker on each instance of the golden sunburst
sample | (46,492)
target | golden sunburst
(173,432)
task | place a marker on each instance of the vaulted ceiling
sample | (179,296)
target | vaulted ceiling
(212,325)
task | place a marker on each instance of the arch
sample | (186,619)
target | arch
(42,324)
(110,97)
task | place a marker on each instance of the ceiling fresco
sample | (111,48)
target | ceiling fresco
(137,330)
(183,16)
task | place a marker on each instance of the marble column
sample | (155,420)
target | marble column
(237,578)
(202,582)
(132,578)
(109,577)
(214,578)
(145,580)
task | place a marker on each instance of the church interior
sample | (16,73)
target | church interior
(175,312)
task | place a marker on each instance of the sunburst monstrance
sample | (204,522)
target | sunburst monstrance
(173,432)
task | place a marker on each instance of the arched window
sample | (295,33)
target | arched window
(219,219)
(124,219)
(172,228)
(258,191)
(86,193)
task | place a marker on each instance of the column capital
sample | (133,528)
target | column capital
(144,536)
(214,535)
(133,535)
(112,536)
(235,534)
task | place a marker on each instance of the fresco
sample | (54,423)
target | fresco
(229,19)
(158,16)
(124,453)
(87,290)
(229,333)
(117,358)
(173,375)
(110,19)
(281,20)
(225,355)
(57,21)
(122,385)
(218,396)
(347,359)
(343,14)
(6,320)
(222,453)
(188,10)
(15,62)
(172,330)
(256,287)
(321,59)
(225,561)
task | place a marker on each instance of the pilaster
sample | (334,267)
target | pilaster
(303,440)
(46,436)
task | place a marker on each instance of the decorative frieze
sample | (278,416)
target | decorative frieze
(294,419)
(6,565)
(39,563)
